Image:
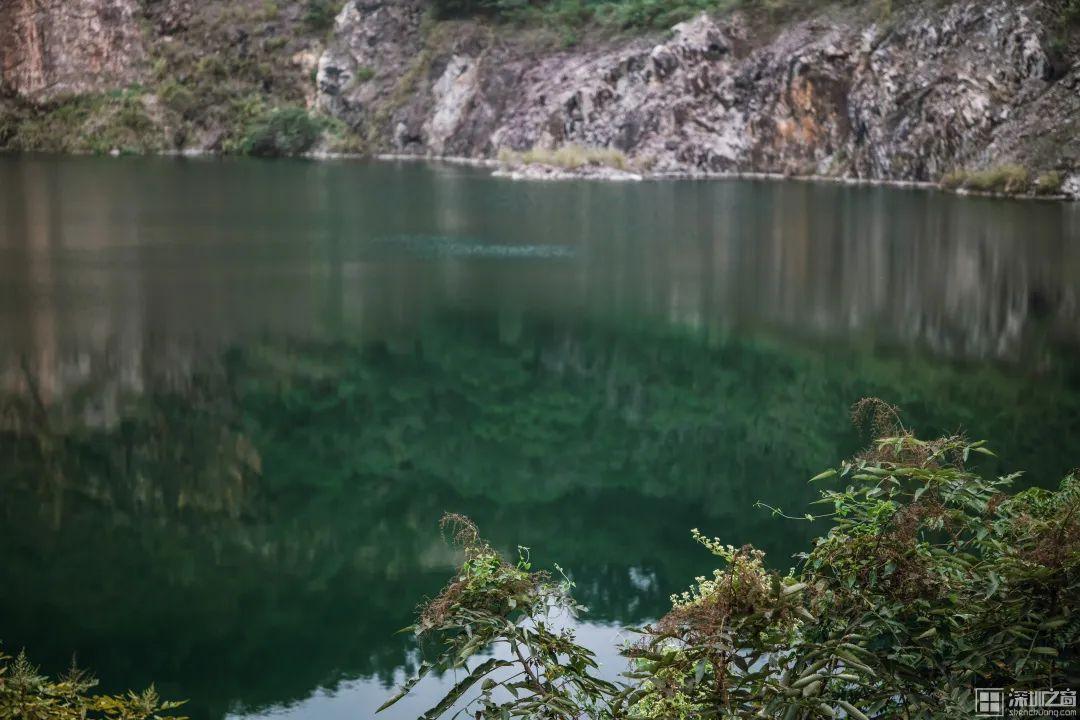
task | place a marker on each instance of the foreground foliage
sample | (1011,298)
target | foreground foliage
(274,441)
(28,695)
(492,602)
(932,581)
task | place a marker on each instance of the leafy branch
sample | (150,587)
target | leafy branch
(930,582)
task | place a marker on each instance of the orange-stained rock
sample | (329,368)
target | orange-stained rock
(50,48)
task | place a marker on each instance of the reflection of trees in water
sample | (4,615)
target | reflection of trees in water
(84,263)
(261,528)
(967,278)
(167,451)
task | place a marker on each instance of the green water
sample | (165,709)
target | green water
(235,397)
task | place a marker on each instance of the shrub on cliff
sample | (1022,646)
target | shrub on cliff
(931,582)
(96,123)
(1071,11)
(642,14)
(179,99)
(1049,183)
(1005,179)
(454,8)
(1010,179)
(319,15)
(622,14)
(281,132)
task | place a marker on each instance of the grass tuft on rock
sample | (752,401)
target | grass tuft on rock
(1009,179)
(1049,183)
(567,157)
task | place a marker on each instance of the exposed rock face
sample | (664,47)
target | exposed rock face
(935,88)
(370,36)
(56,47)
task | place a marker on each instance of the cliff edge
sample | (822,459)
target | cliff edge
(927,89)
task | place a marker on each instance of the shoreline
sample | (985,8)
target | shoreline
(548,173)
(554,174)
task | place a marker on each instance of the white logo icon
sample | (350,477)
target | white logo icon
(989,702)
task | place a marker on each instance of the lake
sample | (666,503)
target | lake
(236,396)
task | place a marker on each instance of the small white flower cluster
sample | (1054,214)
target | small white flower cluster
(705,588)
(743,564)
(715,545)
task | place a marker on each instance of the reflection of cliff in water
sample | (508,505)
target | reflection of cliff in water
(279,501)
(233,403)
(148,252)
(223,612)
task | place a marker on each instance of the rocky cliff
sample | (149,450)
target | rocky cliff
(846,91)
(50,48)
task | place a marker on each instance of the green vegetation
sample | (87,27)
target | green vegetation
(568,156)
(27,695)
(1049,183)
(623,14)
(281,132)
(1009,179)
(579,13)
(953,180)
(223,503)
(629,14)
(319,14)
(230,65)
(931,581)
(116,121)
(224,93)
(1002,179)
(1070,12)
(492,601)
(213,84)
(179,99)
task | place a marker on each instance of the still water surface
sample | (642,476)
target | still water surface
(235,396)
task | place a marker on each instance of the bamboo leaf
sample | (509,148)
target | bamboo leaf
(460,689)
